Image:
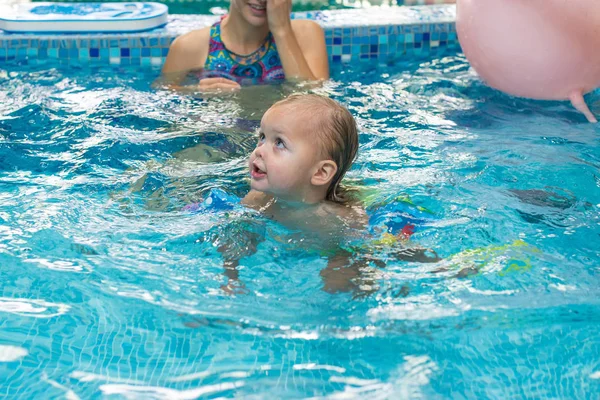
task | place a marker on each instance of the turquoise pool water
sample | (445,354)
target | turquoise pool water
(109,289)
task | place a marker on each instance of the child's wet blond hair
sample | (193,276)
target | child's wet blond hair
(336,132)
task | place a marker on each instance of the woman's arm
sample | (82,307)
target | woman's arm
(300,43)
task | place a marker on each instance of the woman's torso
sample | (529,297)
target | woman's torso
(261,66)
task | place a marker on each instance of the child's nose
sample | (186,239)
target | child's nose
(258,150)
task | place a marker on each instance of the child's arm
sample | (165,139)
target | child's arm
(357,272)
(345,274)
(300,43)
(416,254)
(238,243)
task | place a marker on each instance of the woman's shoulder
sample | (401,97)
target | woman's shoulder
(188,51)
(306,26)
(193,40)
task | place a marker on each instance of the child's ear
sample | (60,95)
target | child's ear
(324,173)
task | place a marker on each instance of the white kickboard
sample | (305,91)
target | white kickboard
(82,17)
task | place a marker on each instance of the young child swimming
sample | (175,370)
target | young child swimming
(256,42)
(306,145)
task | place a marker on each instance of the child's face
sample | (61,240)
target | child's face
(286,155)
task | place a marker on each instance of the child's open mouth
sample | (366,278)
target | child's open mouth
(256,172)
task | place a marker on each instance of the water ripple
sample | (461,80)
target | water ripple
(11,353)
(166,393)
(32,308)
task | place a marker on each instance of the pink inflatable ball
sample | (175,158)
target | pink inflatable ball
(541,49)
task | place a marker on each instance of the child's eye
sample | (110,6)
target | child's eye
(261,137)
(279,143)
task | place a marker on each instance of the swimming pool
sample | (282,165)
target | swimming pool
(110,289)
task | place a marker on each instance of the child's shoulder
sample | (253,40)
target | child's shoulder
(324,214)
(352,213)
(255,199)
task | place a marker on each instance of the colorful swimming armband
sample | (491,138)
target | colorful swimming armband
(215,200)
(398,217)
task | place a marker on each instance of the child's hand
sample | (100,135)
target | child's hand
(278,16)
(218,84)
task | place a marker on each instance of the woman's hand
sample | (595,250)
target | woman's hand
(218,84)
(278,16)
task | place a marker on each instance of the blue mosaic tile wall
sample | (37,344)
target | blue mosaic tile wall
(131,51)
(415,32)
(384,43)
